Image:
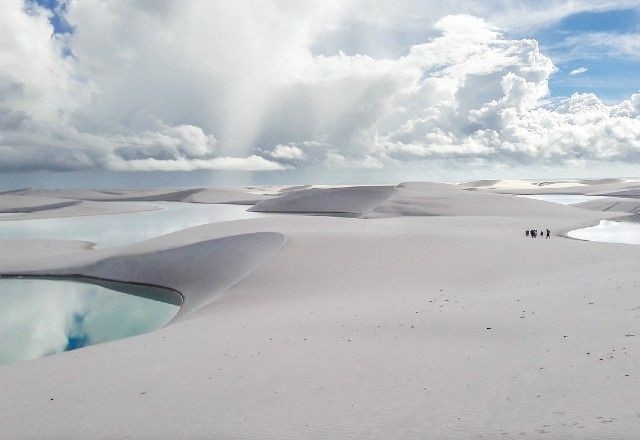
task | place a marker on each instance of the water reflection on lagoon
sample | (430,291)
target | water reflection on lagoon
(40,317)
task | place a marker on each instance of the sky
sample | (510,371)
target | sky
(198,92)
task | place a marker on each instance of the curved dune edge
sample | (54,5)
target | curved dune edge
(120,195)
(232,196)
(10,203)
(237,195)
(346,201)
(615,204)
(19,206)
(199,271)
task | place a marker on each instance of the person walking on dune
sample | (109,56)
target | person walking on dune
(548,234)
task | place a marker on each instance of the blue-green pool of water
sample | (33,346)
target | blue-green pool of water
(40,317)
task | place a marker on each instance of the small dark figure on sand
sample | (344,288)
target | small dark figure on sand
(533,233)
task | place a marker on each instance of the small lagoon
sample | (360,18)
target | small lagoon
(610,232)
(125,228)
(40,317)
(44,316)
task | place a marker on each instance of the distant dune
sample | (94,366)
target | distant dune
(350,201)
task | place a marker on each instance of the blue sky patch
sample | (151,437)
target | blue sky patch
(620,21)
(610,74)
(60,25)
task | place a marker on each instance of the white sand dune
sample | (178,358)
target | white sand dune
(515,184)
(351,201)
(21,206)
(623,205)
(75,209)
(197,195)
(633,193)
(198,280)
(436,199)
(237,196)
(603,181)
(479,183)
(123,195)
(437,319)
(571,186)
(180,261)
(12,203)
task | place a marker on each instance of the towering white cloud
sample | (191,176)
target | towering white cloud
(200,85)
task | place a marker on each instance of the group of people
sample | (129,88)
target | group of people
(533,233)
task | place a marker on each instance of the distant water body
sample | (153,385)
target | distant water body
(609,232)
(125,228)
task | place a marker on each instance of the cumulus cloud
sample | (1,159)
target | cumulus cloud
(578,71)
(250,163)
(287,152)
(199,85)
(334,159)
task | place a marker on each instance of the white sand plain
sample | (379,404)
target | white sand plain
(429,315)
(568,186)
